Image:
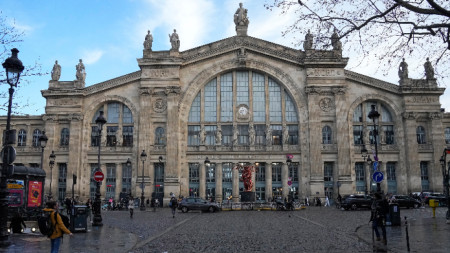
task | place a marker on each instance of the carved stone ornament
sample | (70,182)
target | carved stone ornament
(242,112)
(326,104)
(173,89)
(160,105)
(145,91)
(435,115)
(409,115)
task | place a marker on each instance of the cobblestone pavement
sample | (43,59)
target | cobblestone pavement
(315,229)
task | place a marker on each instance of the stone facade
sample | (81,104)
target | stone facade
(329,108)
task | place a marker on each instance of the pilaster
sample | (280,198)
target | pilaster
(284,179)
(202,179)
(219,196)
(235,190)
(269,182)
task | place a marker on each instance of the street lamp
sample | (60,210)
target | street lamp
(13,67)
(128,163)
(374,115)
(52,158)
(446,177)
(97,221)
(207,166)
(42,142)
(143,158)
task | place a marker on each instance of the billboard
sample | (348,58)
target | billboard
(34,193)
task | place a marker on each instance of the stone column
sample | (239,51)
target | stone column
(368,171)
(202,178)
(268,181)
(254,181)
(384,183)
(151,174)
(411,172)
(284,179)
(219,195)
(235,191)
(103,183)
(172,166)
(344,163)
(119,176)
(435,168)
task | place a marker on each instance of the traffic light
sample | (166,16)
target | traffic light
(74,179)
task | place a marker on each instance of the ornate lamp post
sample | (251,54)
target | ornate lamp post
(13,67)
(42,142)
(446,178)
(143,158)
(52,158)
(374,115)
(97,221)
(128,163)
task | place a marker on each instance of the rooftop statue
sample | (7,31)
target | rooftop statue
(403,70)
(240,17)
(174,40)
(335,42)
(429,71)
(308,43)
(81,72)
(148,41)
(56,71)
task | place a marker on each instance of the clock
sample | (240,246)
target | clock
(243,110)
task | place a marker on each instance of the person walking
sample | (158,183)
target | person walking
(173,205)
(327,201)
(379,209)
(131,206)
(89,208)
(58,226)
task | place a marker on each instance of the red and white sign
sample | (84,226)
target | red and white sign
(99,176)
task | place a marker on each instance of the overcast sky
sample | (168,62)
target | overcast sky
(108,36)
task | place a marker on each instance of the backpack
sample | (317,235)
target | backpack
(45,223)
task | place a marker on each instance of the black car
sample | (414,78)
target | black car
(193,203)
(406,201)
(355,201)
(436,196)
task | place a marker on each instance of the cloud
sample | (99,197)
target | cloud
(91,56)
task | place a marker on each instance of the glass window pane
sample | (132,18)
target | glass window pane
(291,112)
(210,135)
(259,98)
(385,114)
(227,134)
(357,114)
(64,137)
(22,138)
(113,113)
(36,134)
(127,135)
(358,135)
(447,135)
(127,116)
(160,136)
(194,113)
(111,139)
(243,134)
(242,87)
(211,101)
(260,134)
(226,97)
(293,134)
(227,175)
(277,134)
(274,101)
(193,135)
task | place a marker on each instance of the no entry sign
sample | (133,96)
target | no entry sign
(98,176)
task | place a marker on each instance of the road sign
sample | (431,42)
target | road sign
(375,165)
(378,176)
(8,154)
(99,176)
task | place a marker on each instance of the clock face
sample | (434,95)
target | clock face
(243,110)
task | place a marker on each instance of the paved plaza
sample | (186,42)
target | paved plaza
(314,229)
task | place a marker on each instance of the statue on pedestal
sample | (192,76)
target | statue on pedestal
(429,71)
(219,135)
(335,42)
(56,71)
(174,40)
(240,16)
(81,72)
(308,43)
(251,134)
(403,70)
(148,42)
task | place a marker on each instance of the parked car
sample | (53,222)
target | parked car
(193,203)
(355,201)
(406,201)
(436,196)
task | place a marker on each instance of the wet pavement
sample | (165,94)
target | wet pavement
(315,229)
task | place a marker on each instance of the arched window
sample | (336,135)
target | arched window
(327,135)
(420,135)
(65,134)
(363,125)
(239,98)
(118,128)
(36,134)
(447,135)
(160,137)
(22,138)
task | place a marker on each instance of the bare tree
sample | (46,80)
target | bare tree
(11,37)
(387,29)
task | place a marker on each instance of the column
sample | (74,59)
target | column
(235,185)
(411,172)
(284,179)
(268,181)
(219,196)
(384,183)
(151,174)
(119,176)
(202,175)
(368,171)
(103,183)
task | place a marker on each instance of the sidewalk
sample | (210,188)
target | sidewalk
(103,239)
(425,235)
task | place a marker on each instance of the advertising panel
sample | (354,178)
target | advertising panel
(15,197)
(34,193)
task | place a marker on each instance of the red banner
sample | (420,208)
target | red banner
(34,193)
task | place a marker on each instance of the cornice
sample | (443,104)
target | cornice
(379,84)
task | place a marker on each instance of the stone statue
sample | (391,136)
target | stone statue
(308,43)
(81,72)
(56,71)
(251,134)
(285,135)
(174,40)
(366,137)
(148,42)
(382,136)
(335,42)
(235,135)
(268,136)
(240,17)
(218,135)
(202,135)
(429,71)
(403,70)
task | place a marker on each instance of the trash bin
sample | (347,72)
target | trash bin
(78,219)
(394,213)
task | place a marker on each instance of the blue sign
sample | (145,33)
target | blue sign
(378,176)
(375,165)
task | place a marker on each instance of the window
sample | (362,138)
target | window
(159,173)
(93,183)
(22,138)
(360,178)
(391,177)
(127,115)
(111,139)
(277,134)
(276,172)
(274,101)
(260,134)
(226,97)
(126,178)
(194,113)
(242,96)
(160,137)
(357,114)
(328,172)
(227,174)
(95,138)
(211,173)
(420,135)
(113,112)
(424,176)
(127,136)
(243,134)
(211,101)
(293,134)
(65,137)
(227,135)
(259,98)
(194,172)
(389,134)
(261,172)
(62,181)
(193,138)
(36,134)
(110,180)
(326,135)
(358,135)
(447,135)
(291,112)
(293,172)
(210,139)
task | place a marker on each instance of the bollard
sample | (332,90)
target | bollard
(407,234)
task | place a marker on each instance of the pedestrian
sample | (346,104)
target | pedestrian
(68,203)
(89,208)
(173,205)
(58,226)
(327,201)
(131,206)
(379,209)
(148,202)
(16,223)
(307,201)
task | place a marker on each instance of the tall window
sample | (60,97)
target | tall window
(211,101)
(424,176)
(243,134)
(127,136)
(194,114)
(360,178)
(328,172)
(211,173)
(291,112)
(226,97)
(93,183)
(362,124)
(36,134)
(293,172)
(193,135)
(159,172)
(242,88)
(420,132)
(113,112)
(194,179)
(259,98)
(358,135)
(261,172)
(391,177)
(126,178)
(65,137)
(160,136)
(227,135)
(275,101)
(111,139)
(389,134)
(110,180)
(326,135)
(210,135)
(95,138)
(447,135)
(227,174)
(260,134)
(22,138)
(277,134)
(62,178)
(276,172)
